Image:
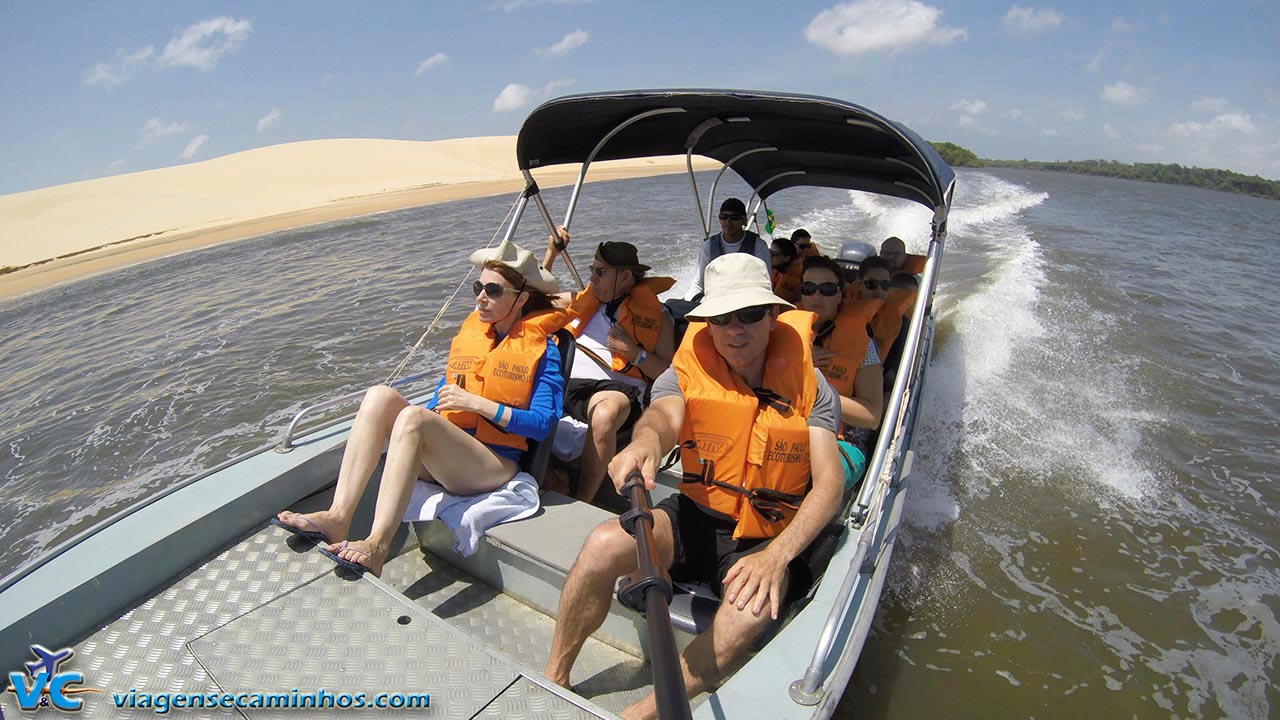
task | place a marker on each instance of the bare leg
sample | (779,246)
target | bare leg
(369,434)
(584,602)
(606,412)
(459,462)
(712,654)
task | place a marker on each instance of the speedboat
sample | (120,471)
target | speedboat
(191,601)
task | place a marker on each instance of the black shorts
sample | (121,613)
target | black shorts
(705,551)
(580,392)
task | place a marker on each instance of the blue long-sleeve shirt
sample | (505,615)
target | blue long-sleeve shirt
(545,406)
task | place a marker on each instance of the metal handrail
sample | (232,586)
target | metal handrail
(807,689)
(286,439)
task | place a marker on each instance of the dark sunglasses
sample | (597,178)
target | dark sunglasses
(599,271)
(731,216)
(493,290)
(828,289)
(873,284)
(746,316)
(803,246)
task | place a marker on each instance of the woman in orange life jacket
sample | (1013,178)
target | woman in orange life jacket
(467,442)
(847,356)
(785,269)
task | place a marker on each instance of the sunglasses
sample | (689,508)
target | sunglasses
(746,316)
(731,216)
(599,271)
(803,246)
(828,289)
(493,290)
(873,284)
(777,253)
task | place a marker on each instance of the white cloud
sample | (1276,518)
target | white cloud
(513,97)
(554,86)
(575,39)
(1049,132)
(1212,105)
(1014,114)
(1124,94)
(1072,115)
(110,75)
(437,60)
(1111,131)
(193,147)
(1120,25)
(1228,123)
(865,26)
(203,44)
(117,164)
(1029,21)
(970,107)
(269,119)
(1096,63)
(154,131)
(1153,148)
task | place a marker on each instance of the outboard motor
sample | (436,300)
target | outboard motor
(852,253)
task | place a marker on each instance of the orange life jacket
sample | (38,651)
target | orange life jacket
(848,339)
(914,264)
(640,314)
(786,282)
(756,473)
(887,323)
(503,374)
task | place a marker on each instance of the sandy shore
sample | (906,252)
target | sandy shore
(63,233)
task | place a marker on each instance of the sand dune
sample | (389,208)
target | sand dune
(61,233)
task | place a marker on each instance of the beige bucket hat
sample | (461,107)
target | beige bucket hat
(733,282)
(523,262)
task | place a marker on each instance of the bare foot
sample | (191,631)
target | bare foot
(362,552)
(557,679)
(330,525)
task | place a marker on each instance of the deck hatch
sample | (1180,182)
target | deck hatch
(344,637)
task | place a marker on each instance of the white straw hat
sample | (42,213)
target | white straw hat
(523,262)
(733,282)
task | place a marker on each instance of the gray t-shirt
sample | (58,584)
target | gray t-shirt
(826,404)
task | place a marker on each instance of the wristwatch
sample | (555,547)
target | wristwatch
(640,358)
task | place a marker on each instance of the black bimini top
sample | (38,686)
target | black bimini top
(816,141)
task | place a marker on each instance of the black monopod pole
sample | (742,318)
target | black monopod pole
(648,592)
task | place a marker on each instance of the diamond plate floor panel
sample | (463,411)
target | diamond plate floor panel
(348,636)
(145,649)
(607,676)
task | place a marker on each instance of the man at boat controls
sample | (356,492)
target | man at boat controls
(625,339)
(848,357)
(502,387)
(741,396)
(894,252)
(733,237)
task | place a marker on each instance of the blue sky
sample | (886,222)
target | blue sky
(95,89)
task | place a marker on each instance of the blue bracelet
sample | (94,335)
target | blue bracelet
(498,415)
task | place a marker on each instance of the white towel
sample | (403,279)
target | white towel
(469,516)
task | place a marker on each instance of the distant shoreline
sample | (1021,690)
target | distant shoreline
(1167,173)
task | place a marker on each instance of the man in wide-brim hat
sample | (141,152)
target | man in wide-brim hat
(755,423)
(625,339)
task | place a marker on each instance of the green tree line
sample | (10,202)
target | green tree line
(1174,174)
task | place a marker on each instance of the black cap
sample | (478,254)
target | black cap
(733,205)
(620,255)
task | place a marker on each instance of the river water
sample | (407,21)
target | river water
(1088,530)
